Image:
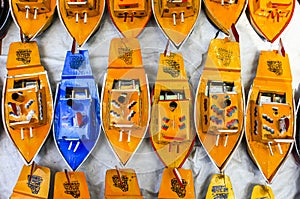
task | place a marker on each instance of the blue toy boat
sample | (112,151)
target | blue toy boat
(77,110)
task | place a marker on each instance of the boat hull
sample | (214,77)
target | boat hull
(219,105)
(77,111)
(28,118)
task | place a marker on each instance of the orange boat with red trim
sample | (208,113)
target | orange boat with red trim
(270,18)
(27,100)
(270,114)
(130,16)
(125,98)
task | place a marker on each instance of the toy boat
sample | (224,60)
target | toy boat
(224,13)
(220,187)
(261,191)
(80,18)
(270,18)
(270,114)
(33,182)
(122,184)
(32,17)
(5,19)
(171,129)
(125,98)
(27,100)
(176,18)
(69,185)
(171,187)
(77,111)
(130,16)
(219,102)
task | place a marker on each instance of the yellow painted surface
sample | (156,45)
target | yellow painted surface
(28,117)
(164,10)
(226,14)
(125,104)
(130,16)
(220,186)
(270,18)
(262,191)
(32,26)
(268,143)
(129,188)
(171,129)
(37,187)
(170,187)
(76,188)
(80,29)
(219,113)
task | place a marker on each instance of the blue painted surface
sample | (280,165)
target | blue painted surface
(77,110)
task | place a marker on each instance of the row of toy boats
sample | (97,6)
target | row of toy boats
(125,107)
(176,18)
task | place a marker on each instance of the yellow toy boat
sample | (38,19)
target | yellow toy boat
(130,16)
(33,182)
(122,184)
(261,191)
(80,18)
(270,18)
(27,100)
(219,105)
(176,18)
(173,186)
(69,185)
(125,98)
(220,187)
(224,13)
(32,17)
(270,114)
(171,129)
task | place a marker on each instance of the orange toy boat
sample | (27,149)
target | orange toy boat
(32,17)
(33,182)
(27,100)
(270,114)
(125,98)
(269,18)
(176,18)
(69,185)
(122,184)
(130,16)
(219,102)
(224,13)
(81,18)
(171,128)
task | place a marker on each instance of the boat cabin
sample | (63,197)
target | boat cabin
(271,119)
(82,9)
(34,7)
(130,8)
(273,8)
(26,105)
(221,113)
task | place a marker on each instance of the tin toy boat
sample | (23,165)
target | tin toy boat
(270,18)
(33,182)
(77,110)
(224,13)
(130,16)
(171,130)
(32,17)
(69,185)
(5,19)
(176,18)
(122,184)
(26,100)
(125,98)
(262,191)
(270,114)
(219,102)
(80,18)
